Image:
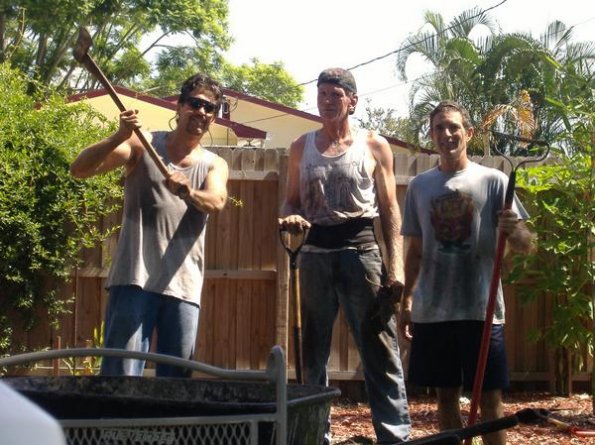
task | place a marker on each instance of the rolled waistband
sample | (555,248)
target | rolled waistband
(351,233)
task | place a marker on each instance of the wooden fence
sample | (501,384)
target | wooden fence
(246,308)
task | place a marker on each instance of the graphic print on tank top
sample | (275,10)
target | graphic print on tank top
(452,220)
(329,188)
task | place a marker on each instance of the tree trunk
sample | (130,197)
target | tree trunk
(562,372)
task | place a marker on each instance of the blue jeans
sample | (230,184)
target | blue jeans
(350,278)
(131,316)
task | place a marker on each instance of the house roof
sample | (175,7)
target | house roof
(292,111)
(240,130)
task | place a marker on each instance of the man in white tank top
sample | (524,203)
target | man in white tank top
(339,181)
(156,277)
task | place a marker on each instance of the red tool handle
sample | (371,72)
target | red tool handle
(490,308)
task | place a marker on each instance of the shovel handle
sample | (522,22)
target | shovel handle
(285,238)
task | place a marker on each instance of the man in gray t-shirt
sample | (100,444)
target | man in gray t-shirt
(451,221)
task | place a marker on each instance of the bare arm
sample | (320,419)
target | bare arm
(213,197)
(519,238)
(117,150)
(412,268)
(290,214)
(390,214)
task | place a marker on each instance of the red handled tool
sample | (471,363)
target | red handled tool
(494,284)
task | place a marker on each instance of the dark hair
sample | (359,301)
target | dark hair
(340,77)
(202,82)
(452,105)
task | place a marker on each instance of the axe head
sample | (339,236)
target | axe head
(82,45)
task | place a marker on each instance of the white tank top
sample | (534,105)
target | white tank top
(334,189)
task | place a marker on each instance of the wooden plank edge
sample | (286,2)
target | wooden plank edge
(213,274)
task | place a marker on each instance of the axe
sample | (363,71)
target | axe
(80,52)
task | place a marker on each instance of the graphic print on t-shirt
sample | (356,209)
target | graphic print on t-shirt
(452,216)
(454,265)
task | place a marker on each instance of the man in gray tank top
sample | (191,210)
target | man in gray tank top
(157,272)
(339,181)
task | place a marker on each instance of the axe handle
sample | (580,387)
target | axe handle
(96,71)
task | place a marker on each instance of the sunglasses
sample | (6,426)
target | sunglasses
(196,103)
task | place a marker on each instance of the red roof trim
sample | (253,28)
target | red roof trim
(292,111)
(241,131)
(125,92)
(272,105)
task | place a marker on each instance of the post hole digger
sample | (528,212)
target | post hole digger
(499,255)
(526,416)
(80,52)
(531,416)
(286,241)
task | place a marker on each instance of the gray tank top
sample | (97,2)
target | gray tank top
(334,189)
(161,242)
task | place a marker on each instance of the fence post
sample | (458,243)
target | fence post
(282,306)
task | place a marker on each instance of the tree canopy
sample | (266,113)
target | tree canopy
(37,39)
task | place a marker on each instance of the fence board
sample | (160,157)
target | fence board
(206,337)
(245,307)
(224,324)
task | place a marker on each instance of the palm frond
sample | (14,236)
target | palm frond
(435,20)
(424,44)
(556,36)
(464,23)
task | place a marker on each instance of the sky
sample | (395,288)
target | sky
(308,36)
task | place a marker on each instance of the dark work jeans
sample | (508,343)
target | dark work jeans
(349,279)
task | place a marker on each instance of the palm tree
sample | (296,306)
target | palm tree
(574,78)
(453,55)
(496,71)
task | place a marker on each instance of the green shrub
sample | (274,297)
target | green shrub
(46,216)
(561,197)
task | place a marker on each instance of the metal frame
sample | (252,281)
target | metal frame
(275,372)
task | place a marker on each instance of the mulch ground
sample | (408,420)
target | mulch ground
(351,422)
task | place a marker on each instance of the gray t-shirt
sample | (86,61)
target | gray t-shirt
(161,242)
(456,214)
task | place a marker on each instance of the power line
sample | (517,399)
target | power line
(367,94)
(359,65)
(362,96)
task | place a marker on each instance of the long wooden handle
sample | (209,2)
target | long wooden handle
(297,328)
(96,71)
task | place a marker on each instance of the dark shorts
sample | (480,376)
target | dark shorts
(444,355)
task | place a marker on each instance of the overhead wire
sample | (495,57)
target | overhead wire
(414,44)
(375,59)
(396,51)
